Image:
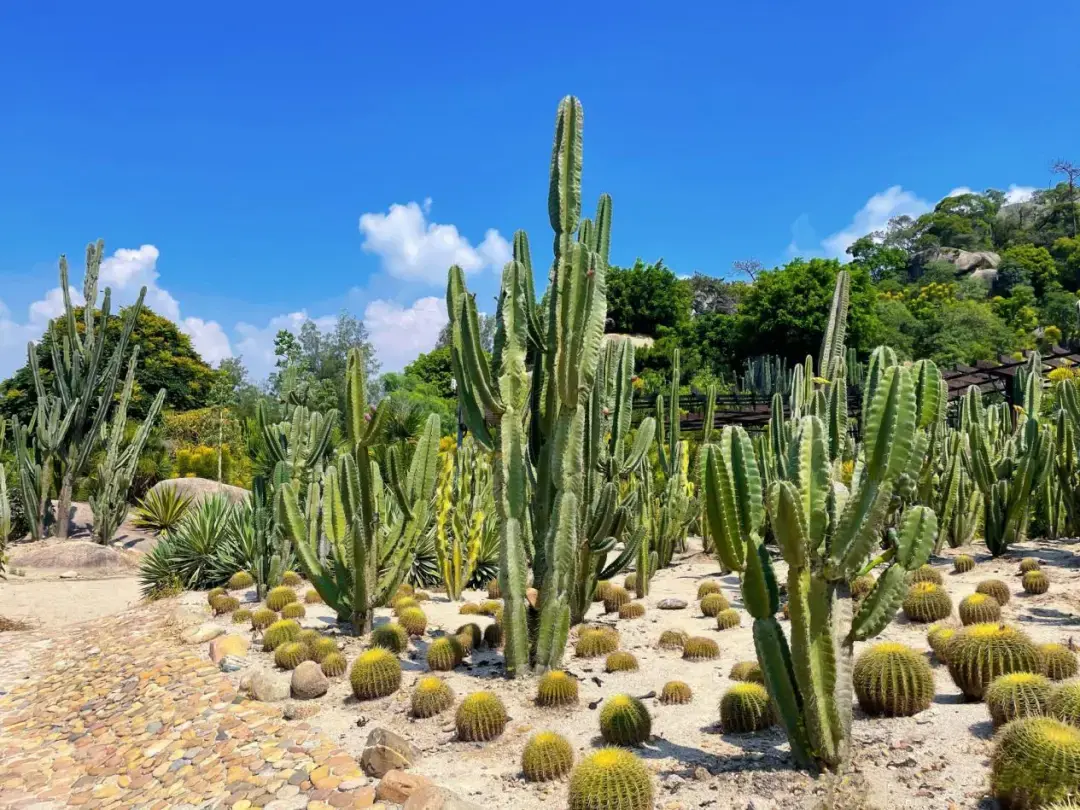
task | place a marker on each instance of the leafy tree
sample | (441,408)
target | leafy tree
(1058,309)
(964,332)
(1027,264)
(643,298)
(711,295)
(434,369)
(897,326)
(882,261)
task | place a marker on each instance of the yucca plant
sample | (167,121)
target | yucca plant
(161,510)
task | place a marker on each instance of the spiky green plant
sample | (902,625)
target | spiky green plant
(962,563)
(214,593)
(261,618)
(727,619)
(633,610)
(375,673)
(312,597)
(699,648)
(321,647)
(1036,761)
(1065,703)
(615,598)
(421,596)
(464,514)
(491,607)
(938,637)
(414,620)
(893,680)
(672,639)
(293,610)
(280,632)
(1018,694)
(333,665)
(713,603)
(444,653)
(621,661)
(979,653)
(224,604)
(241,616)
(493,636)
(556,688)
(1029,564)
(592,643)
(291,579)
(926,603)
(707,587)
(978,608)
(995,588)
(675,693)
(747,671)
(861,586)
(611,779)
(926,573)
(547,756)
(480,717)
(470,636)
(403,602)
(1060,661)
(601,590)
(746,708)
(630,582)
(431,696)
(291,654)
(161,510)
(279,597)
(391,636)
(1035,582)
(493,590)
(240,581)
(624,720)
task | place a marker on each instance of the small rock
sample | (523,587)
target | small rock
(398,786)
(69,575)
(61,665)
(386,751)
(300,711)
(434,797)
(268,686)
(700,774)
(308,681)
(228,645)
(350,784)
(202,634)
(671,603)
(231,663)
(673,781)
(294,803)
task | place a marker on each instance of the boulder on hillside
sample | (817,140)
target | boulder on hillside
(965,261)
(199,488)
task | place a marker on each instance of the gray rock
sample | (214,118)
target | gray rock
(202,634)
(268,687)
(309,682)
(759,803)
(69,575)
(671,603)
(965,261)
(386,751)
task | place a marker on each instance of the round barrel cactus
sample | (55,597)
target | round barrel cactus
(675,693)
(293,610)
(414,620)
(979,608)
(962,563)
(279,597)
(979,653)
(480,717)
(444,653)
(611,779)
(241,580)
(291,579)
(390,636)
(547,756)
(938,637)
(672,639)
(995,588)
(1029,564)
(747,671)
(279,632)
(291,654)
(1018,694)
(745,708)
(926,573)
(624,720)
(699,648)
(593,642)
(493,635)
(1065,703)
(862,585)
(556,688)
(261,618)
(431,696)
(893,680)
(621,661)
(707,587)
(615,598)
(713,603)
(1035,582)
(1059,660)
(927,602)
(375,673)
(727,619)
(1036,761)
(333,665)
(632,610)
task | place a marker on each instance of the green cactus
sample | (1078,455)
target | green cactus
(1059,660)
(728,619)
(632,610)
(926,573)
(1065,703)
(892,680)
(493,590)
(926,603)
(444,653)
(241,616)
(713,603)
(615,598)
(403,602)
(1018,694)
(675,693)
(995,588)
(490,607)
(391,636)
(279,597)
(291,654)
(556,688)
(300,445)
(1035,582)
(333,665)
(241,580)
(547,756)
(624,720)
(321,647)
(480,717)
(493,636)
(470,635)
(375,673)
(464,514)
(979,653)
(291,579)
(962,563)
(707,587)
(467,609)
(630,582)
(293,610)
(312,597)
(698,648)
(1029,564)
(214,593)
(1036,761)
(414,620)
(747,671)
(938,637)
(611,779)
(261,618)
(672,639)
(979,608)
(280,632)
(861,586)
(621,661)
(431,696)
(225,604)
(746,708)
(592,643)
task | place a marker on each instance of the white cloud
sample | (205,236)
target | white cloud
(873,216)
(959,191)
(412,248)
(208,339)
(256,344)
(400,333)
(1019,194)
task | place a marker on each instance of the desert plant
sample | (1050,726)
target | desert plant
(621,661)
(1029,564)
(713,603)
(312,597)
(1065,703)
(615,598)
(747,671)
(633,610)
(745,708)
(403,602)
(978,608)
(1036,761)
(938,637)
(464,514)
(630,582)
(556,688)
(333,665)
(214,593)
(493,590)
(279,597)
(675,693)
(893,680)
(194,547)
(926,603)
(161,510)
(444,653)
(261,618)
(1035,582)
(252,541)
(375,673)
(470,636)
(547,756)
(280,632)
(493,636)
(995,588)
(707,587)
(611,779)
(321,647)
(414,620)
(291,579)
(469,609)
(241,580)
(591,643)
(926,573)
(391,636)
(431,696)
(727,619)
(1018,694)
(224,604)
(490,607)
(624,720)
(672,639)
(1060,661)
(979,653)
(291,654)
(293,610)
(480,717)
(962,563)
(861,586)
(699,648)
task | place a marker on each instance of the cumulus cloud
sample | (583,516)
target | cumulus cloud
(894,201)
(256,343)
(412,248)
(400,333)
(1019,194)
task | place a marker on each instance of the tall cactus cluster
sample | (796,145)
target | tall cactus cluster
(553,403)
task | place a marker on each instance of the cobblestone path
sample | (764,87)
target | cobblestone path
(117,713)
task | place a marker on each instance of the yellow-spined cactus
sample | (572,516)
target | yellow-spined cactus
(624,720)
(1036,762)
(480,717)
(556,689)
(699,648)
(962,563)
(292,579)
(632,610)
(616,597)
(291,654)
(241,580)
(470,636)
(1018,694)
(444,653)
(979,608)
(493,590)
(926,573)
(592,643)
(995,588)
(892,680)
(611,779)
(672,639)
(261,618)
(862,585)
(431,696)
(322,647)
(375,673)
(926,603)
(224,603)
(312,597)
(1065,703)
(334,665)
(293,610)
(747,671)
(713,603)
(745,708)
(727,619)
(279,597)
(280,632)
(414,620)
(390,636)
(493,636)
(469,609)
(547,756)
(1029,564)
(707,587)
(403,602)
(982,652)
(1059,661)
(938,637)
(213,593)
(621,661)
(1035,582)
(675,693)
(241,616)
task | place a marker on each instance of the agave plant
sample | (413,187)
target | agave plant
(197,543)
(158,575)
(161,510)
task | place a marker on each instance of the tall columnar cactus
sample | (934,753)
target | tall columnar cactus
(300,445)
(369,552)
(5,502)
(116,470)
(464,514)
(532,403)
(958,501)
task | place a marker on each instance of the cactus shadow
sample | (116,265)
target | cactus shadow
(1049,616)
(950,699)
(1052,555)
(757,752)
(983,729)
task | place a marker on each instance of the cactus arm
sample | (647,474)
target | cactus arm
(776,666)
(294,525)
(424,468)
(564,190)
(831,362)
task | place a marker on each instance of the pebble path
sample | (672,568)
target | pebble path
(118,713)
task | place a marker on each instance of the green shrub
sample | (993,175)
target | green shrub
(161,510)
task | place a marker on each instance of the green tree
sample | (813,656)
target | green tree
(643,298)
(882,261)
(1027,264)
(963,332)
(434,369)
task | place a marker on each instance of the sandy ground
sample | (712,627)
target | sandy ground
(938,759)
(45,600)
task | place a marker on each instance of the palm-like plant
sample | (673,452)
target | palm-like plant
(161,510)
(197,540)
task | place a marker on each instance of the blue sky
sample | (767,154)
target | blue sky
(257,164)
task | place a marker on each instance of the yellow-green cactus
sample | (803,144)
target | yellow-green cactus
(261,618)
(698,648)
(979,608)
(727,619)
(333,665)
(375,673)
(291,654)
(1059,660)
(632,610)
(995,588)
(390,636)
(713,603)
(413,620)
(1018,694)
(279,597)
(927,602)
(480,717)
(624,720)
(707,587)
(293,610)
(893,680)
(962,563)
(979,653)
(279,632)
(621,661)
(444,653)
(611,779)
(747,671)
(672,639)
(1036,761)
(675,693)
(745,708)
(547,756)
(241,580)
(592,643)
(1035,582)
(431,696)
(556,688)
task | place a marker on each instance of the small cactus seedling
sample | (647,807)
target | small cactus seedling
(713,603)
(312,597)
(979,653)
(480,717)
(995,588)
(892,680)
(862,585)
(293,610)
(1029,564)
(556,688)
(621,661)
(616,597)
(1059,660)
(611,779)
(938,637)
(927,602)
(213,594)
(707,587)
(926,573)
(279,597)
(1065,703)
(698,648)
(962,563)
(470,609)
(333,665)
(493,636)
(493,590)
(747,671)
(444,654)
(672,639)
(1036,762)
(241,616)
(1018,694)
(291,579)
(322,647)
(431,696)
(1035,582)
(624,720)
(745,708)
(547,756)
(413,620)
(261,618)
(727,619)
(224,604)
(279,632)
(979,608)
(390,636)
(291,654)
(675,693)
(375,673)
(241,580)
(592,643)
(632,610)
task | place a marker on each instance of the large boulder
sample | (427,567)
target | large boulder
(308,681)
(72,555)
(965,261)
(199,488)
(386,751)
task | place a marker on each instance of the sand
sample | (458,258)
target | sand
(44,600)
